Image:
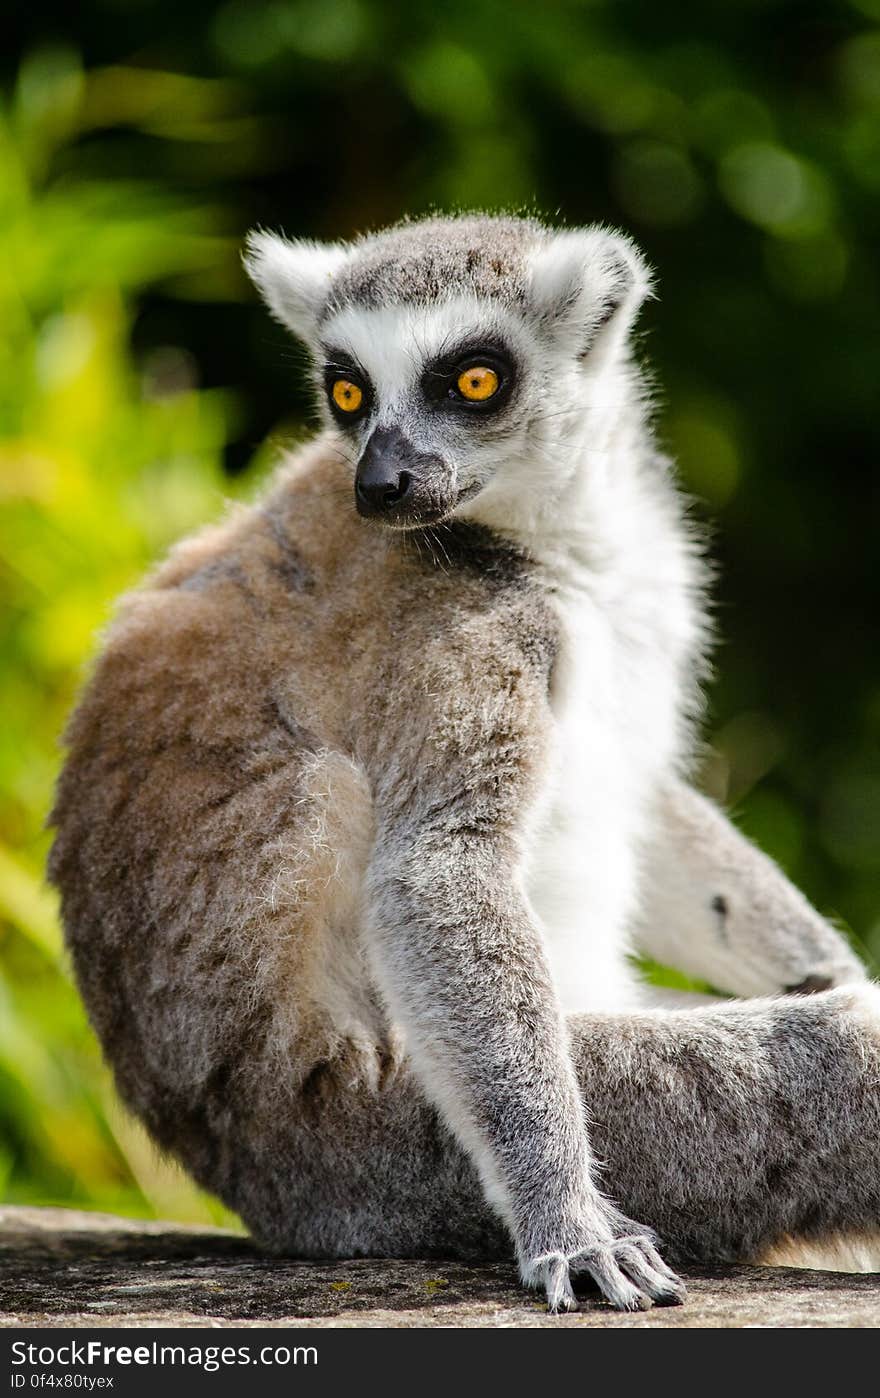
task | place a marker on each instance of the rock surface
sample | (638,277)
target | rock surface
(59,1267)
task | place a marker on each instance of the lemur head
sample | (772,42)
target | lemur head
(454,354)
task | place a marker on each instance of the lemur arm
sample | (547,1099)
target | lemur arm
(461,966)
(463,970)
(716,908)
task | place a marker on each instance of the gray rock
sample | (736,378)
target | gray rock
(60,1267)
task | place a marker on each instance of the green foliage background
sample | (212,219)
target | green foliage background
(140,384)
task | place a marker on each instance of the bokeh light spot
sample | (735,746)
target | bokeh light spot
(774,189)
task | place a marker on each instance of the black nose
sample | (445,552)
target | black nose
(382,482)
(382,490)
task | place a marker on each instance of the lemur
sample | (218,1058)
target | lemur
(378,783)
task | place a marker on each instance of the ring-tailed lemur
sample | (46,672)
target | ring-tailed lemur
(377,783)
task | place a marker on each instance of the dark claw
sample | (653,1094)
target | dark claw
(670,1298)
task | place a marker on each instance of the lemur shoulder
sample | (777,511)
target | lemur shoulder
(378,783)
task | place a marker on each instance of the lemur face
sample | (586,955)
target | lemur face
(428,399)
(453,355)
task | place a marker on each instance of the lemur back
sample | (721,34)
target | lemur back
(368,786)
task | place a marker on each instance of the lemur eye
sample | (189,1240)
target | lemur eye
(477,384)
(346,395)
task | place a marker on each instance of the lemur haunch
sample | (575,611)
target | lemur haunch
(377,783)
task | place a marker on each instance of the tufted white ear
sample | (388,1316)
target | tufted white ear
(293,277)
(587,285)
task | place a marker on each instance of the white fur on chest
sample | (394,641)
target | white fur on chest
(608,540)
(615,703)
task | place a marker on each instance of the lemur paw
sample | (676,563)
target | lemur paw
(629,1272)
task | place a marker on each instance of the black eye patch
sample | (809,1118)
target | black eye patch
(347,386)
(473,378)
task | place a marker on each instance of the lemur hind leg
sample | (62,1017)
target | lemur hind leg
(735,1127)
(731,1130)
(717,908)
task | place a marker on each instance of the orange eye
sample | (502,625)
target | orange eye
(478,384)
(347,396)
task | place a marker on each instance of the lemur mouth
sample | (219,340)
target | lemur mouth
(417,519)
(468,493)
(423,519)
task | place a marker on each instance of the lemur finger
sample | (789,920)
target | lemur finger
(611,1281)
(664,1288)
(553,1270)
(644,1244)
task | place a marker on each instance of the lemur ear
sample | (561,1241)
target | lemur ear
(587,285)
(293,277)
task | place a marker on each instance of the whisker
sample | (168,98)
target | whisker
(439,543)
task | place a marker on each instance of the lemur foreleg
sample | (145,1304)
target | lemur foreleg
(462,968)
(719,909)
